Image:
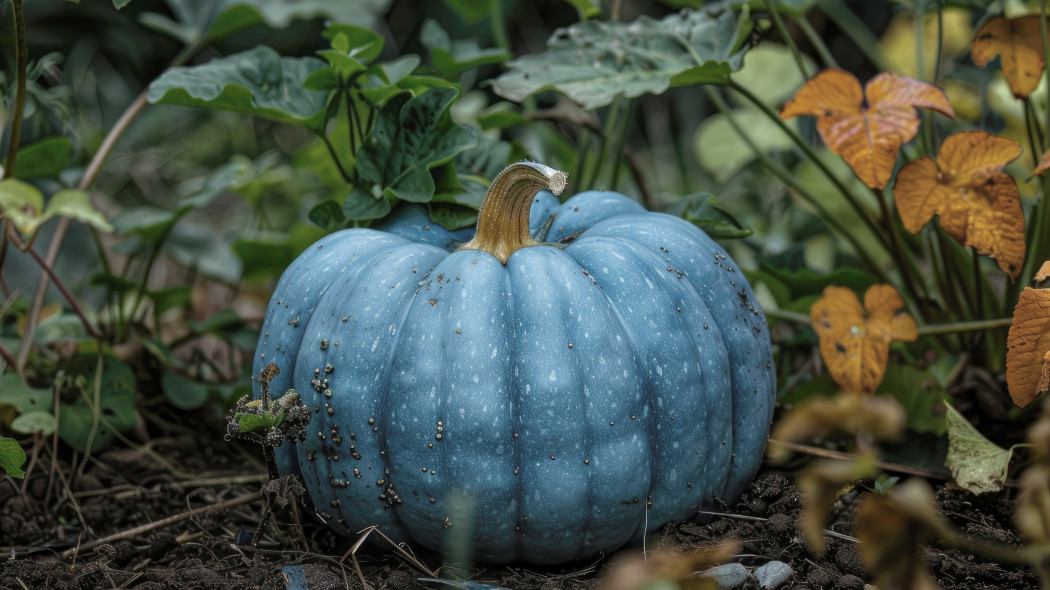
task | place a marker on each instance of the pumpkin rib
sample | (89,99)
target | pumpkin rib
(696,477)
(554,409)
(357,371)
(731,305)
(285,324)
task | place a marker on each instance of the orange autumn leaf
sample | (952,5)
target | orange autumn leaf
(867,137)
(978,204)
(1044,163)
(855,340)
(1019,44)
(1028,343)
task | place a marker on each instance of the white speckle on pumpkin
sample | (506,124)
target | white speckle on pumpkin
(375,344)
(494,350)
(659,370)
(552,377)
(462,412)
(476,379)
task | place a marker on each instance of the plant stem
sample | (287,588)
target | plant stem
(90,173)
(779,24)
(604,139)
(617,146)
(905,261)
(801,143)
(1046,58)
(817,42)
(335,158)
(856,30)
(20,95)
(927,330)
(789,180)
(50,272)
(499,25)
(141,291)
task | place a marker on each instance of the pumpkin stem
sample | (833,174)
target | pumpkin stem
(503,222)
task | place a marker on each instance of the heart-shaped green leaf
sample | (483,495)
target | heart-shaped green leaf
(595,61)
(256,82)
(410,137)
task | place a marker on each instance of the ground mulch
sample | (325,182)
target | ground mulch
(50,534)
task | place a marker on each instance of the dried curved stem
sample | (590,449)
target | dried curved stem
(503,222)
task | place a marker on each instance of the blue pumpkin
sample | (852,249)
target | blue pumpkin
(570,395)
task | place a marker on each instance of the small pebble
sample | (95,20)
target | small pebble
(772,574)
(729,575)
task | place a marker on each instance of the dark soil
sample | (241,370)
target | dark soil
(49,541)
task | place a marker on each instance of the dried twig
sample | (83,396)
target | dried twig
(246,499)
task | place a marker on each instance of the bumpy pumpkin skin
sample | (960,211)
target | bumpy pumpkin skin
(567,401)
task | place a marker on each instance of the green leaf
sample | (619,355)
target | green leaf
(44,158)
(707,213)
(22,397)
(923,398)
(452,217)
(250,422)
(205,250)
(21,203)
(722,152)
(588,9)
(215,19)
(35,421)
(170,298)
(183,393)
(501,116)
(267,260)
(116,403)
(771,73)
(76,205)
(453,57)
(327,215)
(803,282)
(411,136)
(471,11)
(12,457)
(361,206)
(118,4)
(794,8)
(63,327)
(147,222)
(977,464)
(593,62)
(256,82)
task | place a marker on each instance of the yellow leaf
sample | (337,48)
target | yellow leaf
(977,203)
(1028,343)
(1019,44)
(867,137)
(855,340)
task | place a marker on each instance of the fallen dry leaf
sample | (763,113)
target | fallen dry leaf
(855,340)
(893,530)
(1028,343)
(978,204)
(1019,44)
(867,137)
(822,483)
(1044,163)
(877,417)
(665,567)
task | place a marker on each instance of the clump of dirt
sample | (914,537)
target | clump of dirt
(49,536)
